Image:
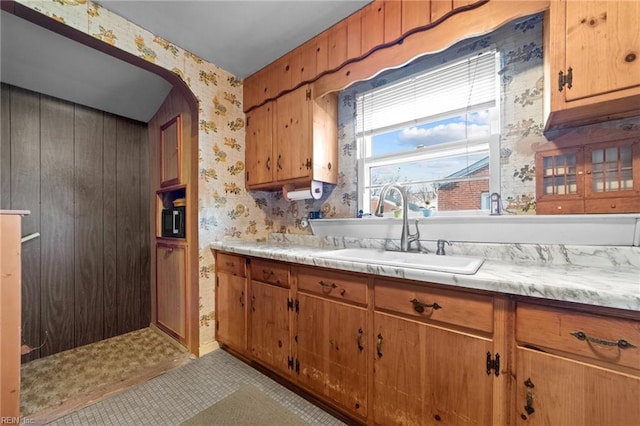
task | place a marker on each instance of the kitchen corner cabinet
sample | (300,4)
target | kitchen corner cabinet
(292,140)
(171,289)
(231,300)
(576,368)
(592,62)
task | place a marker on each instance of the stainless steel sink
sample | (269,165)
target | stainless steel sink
(465,265)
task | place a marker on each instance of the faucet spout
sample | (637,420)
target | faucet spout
(406,239)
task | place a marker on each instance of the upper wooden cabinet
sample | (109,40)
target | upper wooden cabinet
(170,151)
(377,25)
(292,141)
(593,64)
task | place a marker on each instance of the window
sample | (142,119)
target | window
(436,133)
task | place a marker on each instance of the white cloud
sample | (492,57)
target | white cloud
(443,133)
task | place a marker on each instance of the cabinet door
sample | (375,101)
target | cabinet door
(170,151)
(293,133)
(331,351)
(601,47)
(425,374)
(259,161)
(231,297)
(560,181)
(594,68)
(612,181)
(171,289)
(269,339)
(552,390)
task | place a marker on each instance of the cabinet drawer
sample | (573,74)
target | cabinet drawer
(592,336)
(270,272)
(335,284)
(230,263)
(452,307)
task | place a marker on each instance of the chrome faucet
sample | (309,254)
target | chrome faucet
(406,239)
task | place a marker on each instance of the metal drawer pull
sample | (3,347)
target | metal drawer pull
(529,407)
(418,306)
(330,285)
(230,264)
(622,344)
(379,346)
(267,273)
(242,298)
(359,340)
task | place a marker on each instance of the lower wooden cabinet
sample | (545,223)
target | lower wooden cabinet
(430,375)
(576,368)
(331,343)
(395,352)
(269,338)
(171,289)
(231,300)
(555,390)
(431,353)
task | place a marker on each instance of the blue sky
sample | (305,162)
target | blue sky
(429,134)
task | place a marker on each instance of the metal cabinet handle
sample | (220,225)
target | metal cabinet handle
(418,306)
(327,284)
(267,273)
(242,298)
(621,343)
(253,303)
(279,162)
(268,163)
(529,397)
(379,345)
(359,339)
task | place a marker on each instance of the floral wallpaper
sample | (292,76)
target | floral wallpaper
(227,210)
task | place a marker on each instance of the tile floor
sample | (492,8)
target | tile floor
(180,393)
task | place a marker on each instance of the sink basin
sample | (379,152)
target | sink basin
(453,264)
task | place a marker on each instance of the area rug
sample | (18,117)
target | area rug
(57,384)
(247,406)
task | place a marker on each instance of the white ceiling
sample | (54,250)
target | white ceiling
(239,36)
(37,59)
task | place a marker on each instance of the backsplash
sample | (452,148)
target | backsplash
(547,254)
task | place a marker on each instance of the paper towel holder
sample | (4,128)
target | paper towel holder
(314,191)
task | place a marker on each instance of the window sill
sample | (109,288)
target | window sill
(604,230)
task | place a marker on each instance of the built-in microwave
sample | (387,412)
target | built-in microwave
(173,222)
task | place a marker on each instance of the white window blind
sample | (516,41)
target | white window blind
(464,84)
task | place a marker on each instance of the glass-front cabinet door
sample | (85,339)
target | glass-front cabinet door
(592,178)
(612,178)
(559,182)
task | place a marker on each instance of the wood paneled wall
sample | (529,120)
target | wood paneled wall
(84,175)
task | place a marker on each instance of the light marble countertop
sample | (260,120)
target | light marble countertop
(614,287)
